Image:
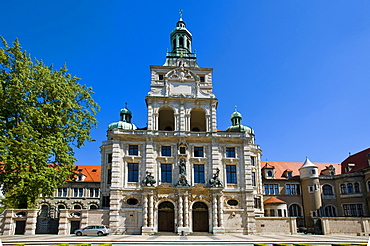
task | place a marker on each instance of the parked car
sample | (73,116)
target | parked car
(99,230)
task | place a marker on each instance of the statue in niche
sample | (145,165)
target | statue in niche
(148,180)
(215,181)
(182,175)
(182,166)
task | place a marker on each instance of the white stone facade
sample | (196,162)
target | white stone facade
(205,179)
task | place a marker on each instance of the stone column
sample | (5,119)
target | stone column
(220,212)
(145,210)
(85,218)
(208,123)
(176,124)
(151,211)
(186,211)
(181,222)
(214,211)
(31,221)
(150,117)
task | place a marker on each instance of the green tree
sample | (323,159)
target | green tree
(43,114)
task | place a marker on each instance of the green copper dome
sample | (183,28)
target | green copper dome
(236,120)
(125,122)
(236,114)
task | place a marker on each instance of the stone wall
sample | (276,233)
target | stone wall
(276,225)
(345,225)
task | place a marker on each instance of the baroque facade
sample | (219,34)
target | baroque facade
(181,174)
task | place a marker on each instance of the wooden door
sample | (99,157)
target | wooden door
(200,217)
(166,217)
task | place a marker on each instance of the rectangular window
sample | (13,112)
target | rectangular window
(133,150)
(109,176)
(280,214)
(257,202)
(230,152)
(202,79)
(182,151)
(160,76)
(94,192)
(353,210)
(166,151)
(109,158)
(271,189)
(198,173)
(231,174)
(292,189)
(166,173)
(106,201)
(78,192)
(133,172)
(253,179)
(253,160)
(62,192)
(198,151)
(272,213)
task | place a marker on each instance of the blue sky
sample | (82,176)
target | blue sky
(298,71)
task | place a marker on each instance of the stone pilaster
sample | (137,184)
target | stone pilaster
(63,222)
(9,225)
(31,221)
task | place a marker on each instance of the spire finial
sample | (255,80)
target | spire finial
(180,14)
(235,108)
(126,104)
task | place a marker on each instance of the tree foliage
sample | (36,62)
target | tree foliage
(43,114)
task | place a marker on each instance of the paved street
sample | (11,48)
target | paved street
(137,240)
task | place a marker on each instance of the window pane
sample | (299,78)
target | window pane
(133,149)
(287,189)
(133,172)
(198,151)
(253,179)
(231,174)
(253,160)
(198,173)
(166,173)
(230,152)
(166,150)
(266,189)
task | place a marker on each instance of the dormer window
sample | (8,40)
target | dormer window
(80,176)
(202,79)
(270,173)
(350,166)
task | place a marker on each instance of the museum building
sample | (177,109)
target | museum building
(181,174)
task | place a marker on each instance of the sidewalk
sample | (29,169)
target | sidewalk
(229,239)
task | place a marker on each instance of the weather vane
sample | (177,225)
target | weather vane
(180,13)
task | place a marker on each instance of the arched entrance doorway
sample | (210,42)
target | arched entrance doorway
(200,217)
(166,217)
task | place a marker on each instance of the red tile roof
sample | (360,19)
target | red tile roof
(280,167)
(360,159)
(273,200)
(92,172)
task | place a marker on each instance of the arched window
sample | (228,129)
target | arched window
(295,210)
(77,206)
(166,120)
(357,188)
(181,42)
(330,211)
(61,206)
(198,120)
(93,206)
(343,189)
(350,188)
(327,190)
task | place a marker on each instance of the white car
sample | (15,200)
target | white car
(94,230)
